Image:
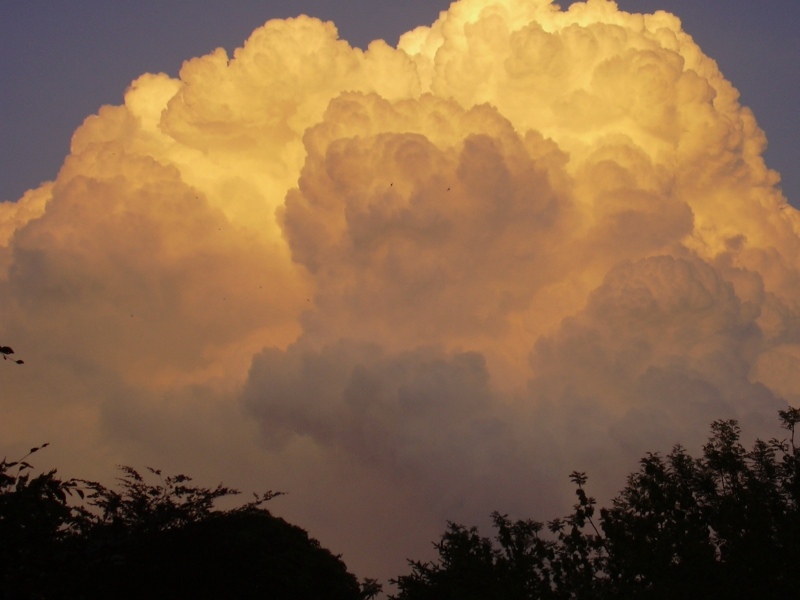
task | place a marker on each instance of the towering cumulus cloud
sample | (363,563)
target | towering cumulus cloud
(407,284)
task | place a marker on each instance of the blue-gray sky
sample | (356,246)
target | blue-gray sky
(62,61)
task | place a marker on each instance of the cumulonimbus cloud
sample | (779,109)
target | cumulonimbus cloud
(408,284)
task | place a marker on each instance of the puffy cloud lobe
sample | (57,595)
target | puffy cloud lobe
(663,345)
(411,234)
(385,409)
(525,241)
(142,272)
(640,77)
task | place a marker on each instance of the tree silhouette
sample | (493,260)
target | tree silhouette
(724,525)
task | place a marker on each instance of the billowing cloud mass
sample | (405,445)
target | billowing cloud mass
(407,284)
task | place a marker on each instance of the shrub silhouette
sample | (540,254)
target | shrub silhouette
(79,539)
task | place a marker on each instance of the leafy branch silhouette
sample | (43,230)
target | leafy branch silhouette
(7,351)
